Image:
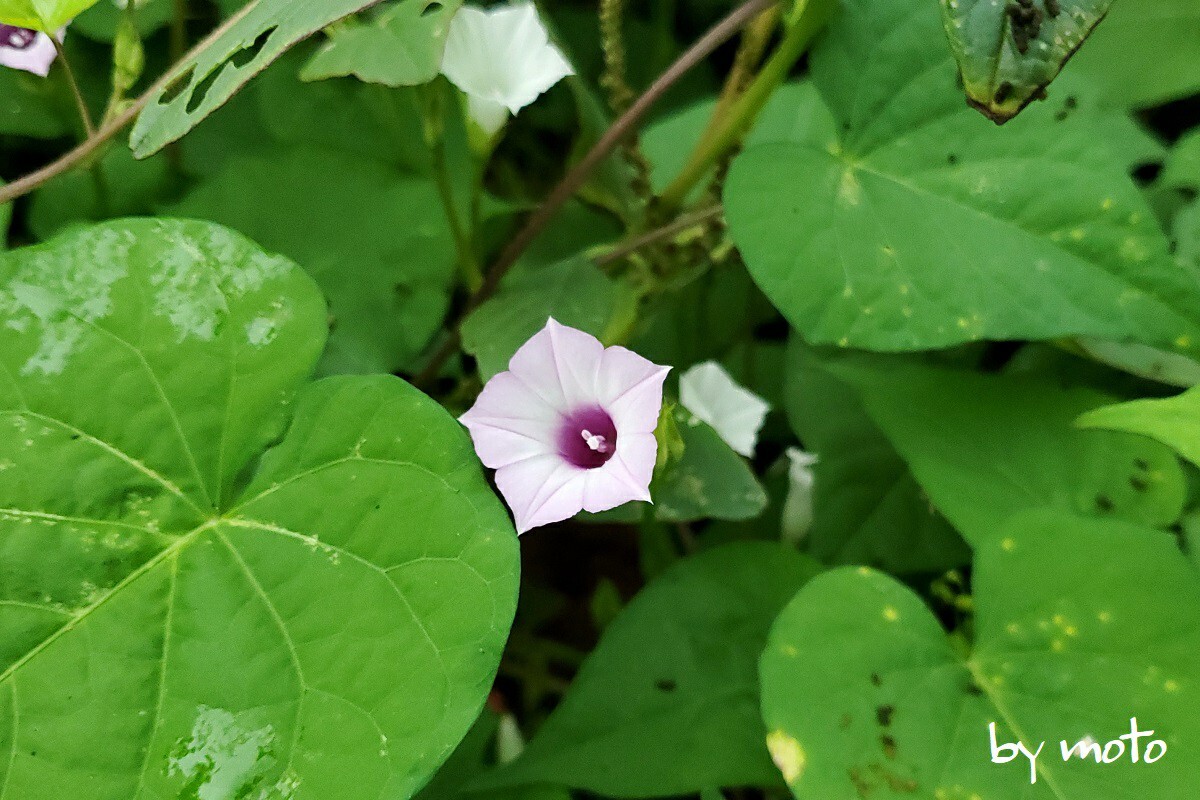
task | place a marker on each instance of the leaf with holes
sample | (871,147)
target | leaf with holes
(42,15)
(1079,626)
(256,35)
(201,607)
(402,46)
(668,702)
(1009,52)
(986,447)
(921,225)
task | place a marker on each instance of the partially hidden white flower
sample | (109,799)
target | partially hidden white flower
(569,426)
(797,514)
(31,51)
(734,412)
(502,59)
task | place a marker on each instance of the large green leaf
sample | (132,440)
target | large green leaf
(668,702)
(378,244)
(867,506)
(201,83)
(1145,52)
(186,616)
(402,46)
(987,447)
(1008,53)
(922,225)
(1080,626)
(42,15)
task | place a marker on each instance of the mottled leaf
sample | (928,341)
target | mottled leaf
(186,615)
(1079,626)
(1009,52)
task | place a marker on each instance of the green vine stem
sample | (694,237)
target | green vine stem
(731,126)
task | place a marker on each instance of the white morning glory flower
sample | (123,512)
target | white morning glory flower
(27,50)
(798,507)
(734,412)
(502,59)
(569,427)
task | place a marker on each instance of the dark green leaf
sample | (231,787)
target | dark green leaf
(668,702)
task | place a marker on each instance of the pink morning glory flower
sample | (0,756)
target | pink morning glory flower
(32,51)
(569,427)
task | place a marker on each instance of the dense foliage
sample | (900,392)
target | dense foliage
(296,296)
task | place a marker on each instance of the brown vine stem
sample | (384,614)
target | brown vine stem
(27,184)
(720,33)
(683,223)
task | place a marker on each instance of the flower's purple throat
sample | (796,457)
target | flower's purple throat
(16,38)
(587,438)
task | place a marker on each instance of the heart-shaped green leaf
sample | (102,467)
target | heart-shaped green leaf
(184,615)
(402,46)
(1008,52)
(1080,626)
(921,225)
(42,15)
(256,35)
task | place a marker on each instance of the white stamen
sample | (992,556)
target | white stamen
(595,441)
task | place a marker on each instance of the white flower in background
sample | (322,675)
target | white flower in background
(502,59)
(798,507)
(510,742)
(734,412)
(27,50)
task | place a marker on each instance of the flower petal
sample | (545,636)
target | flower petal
(510,422)
(563,363)
(630,388)
(36,57)
(734,412)
(625,477)
(541,490)
(501,57)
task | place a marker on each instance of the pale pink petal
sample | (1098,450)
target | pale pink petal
(510,422)
(561,364)
(27,50)
(625,477)
(541,490)
(630,388)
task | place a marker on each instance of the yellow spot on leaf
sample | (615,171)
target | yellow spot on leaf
(1008,544)
(891,614)
(787,754)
